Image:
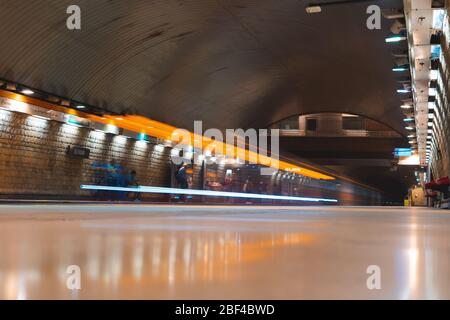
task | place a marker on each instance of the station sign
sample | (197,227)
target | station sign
(402,152)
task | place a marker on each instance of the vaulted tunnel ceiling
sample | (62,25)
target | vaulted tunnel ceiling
(230,63)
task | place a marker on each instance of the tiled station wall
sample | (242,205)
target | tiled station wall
(33,157)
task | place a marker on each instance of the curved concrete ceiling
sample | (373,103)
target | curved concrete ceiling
(230,63)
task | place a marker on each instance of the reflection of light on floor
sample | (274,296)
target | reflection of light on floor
(413,258)
(138,257)
(158,252)
(156,256)
(115,259)
(15,284)
(204,257)
(187,257)
(428,265)
(412,261)
(93,261)
(172,260)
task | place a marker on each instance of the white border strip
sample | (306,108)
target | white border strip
(195,192)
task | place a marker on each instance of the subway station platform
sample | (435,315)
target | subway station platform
(223,252)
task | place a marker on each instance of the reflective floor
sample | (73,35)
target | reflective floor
(196,252)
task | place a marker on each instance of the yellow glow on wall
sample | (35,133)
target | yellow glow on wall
(164,131)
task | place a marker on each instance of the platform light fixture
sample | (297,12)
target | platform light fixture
(142,137)
(400,69)
(395,38)
(27,92)
(313,9)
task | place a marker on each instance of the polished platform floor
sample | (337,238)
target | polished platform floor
(198,252)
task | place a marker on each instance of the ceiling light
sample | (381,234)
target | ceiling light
(395,39)
(409,128)
(80,107)
(405,106)
(408,119)
(27,91)
(118,118)
(403,91)
(399,69)
(313,9)
(142,137)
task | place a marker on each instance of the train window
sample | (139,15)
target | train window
(353,123)
(311,124)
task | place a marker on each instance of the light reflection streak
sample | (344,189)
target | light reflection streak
(411,257)
(148,189)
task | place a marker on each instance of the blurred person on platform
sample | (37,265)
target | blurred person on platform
(133,182)
(182,179)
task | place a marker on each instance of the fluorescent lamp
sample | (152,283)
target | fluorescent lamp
(403,91)
(395,39)
(27,91)
(409,128)
(313,9)
(406,106)
(142,137)
(80,107)
(399,69)
(145,189)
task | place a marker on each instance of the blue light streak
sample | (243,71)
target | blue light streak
(145,189)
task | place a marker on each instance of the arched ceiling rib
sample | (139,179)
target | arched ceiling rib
(230,63)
